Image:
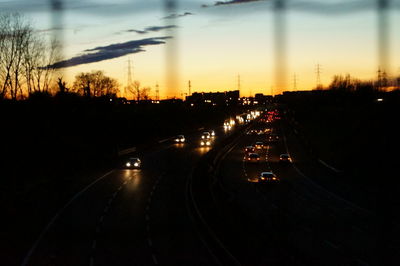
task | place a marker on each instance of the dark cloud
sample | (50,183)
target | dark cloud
(334,8)
(318,6)
(158,28)
(152,29)
(138,31)
(173,16)
(231,2)
(102,53)
(219,3)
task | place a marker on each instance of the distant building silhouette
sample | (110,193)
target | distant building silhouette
(213,98)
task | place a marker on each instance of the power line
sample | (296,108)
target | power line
(238,83)
(318,71)
(157,92)
(129,83)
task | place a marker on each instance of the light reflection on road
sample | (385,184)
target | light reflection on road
(133,178)
(203,150)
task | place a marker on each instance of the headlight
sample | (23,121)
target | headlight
(274,178)
(202,143)
(202,137)
(136,164)
(128,164)
(208,143)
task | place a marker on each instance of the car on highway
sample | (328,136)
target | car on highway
(253,132)
(285,158)
(249,149)
(268,177)
(212,133)
(205,135)
(205,142)
(259,145)
(252,158)
(133,163)
(180,139)
(273,137)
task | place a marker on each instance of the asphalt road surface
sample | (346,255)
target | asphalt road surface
(141,217)
(130,217)
(295,222)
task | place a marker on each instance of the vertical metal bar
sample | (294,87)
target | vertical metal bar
(383,36)
(172,68)
(280,45)
(57,23)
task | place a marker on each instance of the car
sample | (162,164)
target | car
(212,133)
(206,135)
(259,145)
(252,132)
(268,177)
(252,158)
(180,139)
(205,142)
(273,137)
(249,149)
(285,158)
(133,163)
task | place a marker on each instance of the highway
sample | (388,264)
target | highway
(172,211)
(130,217)
(296,222)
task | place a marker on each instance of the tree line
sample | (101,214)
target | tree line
(347,83)
(26,60)
(24,55)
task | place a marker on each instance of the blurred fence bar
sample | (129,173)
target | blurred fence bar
(172,50)
(280,44)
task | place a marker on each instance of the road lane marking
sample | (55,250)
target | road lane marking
(55,217)
(329,243)
(358,229)
(147,218)
(94,244)
(91,261)
(101,218)
(149,242)
(154,259)
(329,166)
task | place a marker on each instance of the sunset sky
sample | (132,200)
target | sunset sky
(216,42)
